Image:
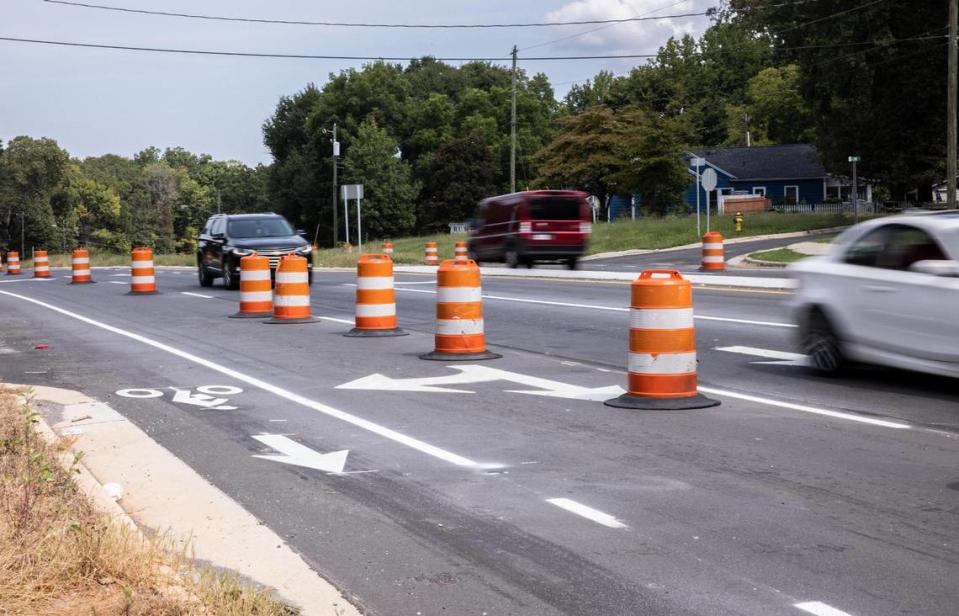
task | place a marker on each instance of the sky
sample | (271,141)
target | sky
(96,101)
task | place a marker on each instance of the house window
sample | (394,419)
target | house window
(759,190)
(833,194)
(791,194)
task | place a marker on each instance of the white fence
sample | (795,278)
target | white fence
(824,208)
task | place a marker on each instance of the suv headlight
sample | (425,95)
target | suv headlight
(241,252)
(304,250)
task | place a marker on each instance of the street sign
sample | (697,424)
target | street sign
(855,159)
(352,191)
(697,162)
(709,180)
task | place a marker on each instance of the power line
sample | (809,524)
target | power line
(339,24)
(247,54)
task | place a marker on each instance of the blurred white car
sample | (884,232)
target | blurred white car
(888,293)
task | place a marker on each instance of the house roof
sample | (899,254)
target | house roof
(783,162)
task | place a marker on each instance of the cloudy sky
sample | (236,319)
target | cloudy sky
(95,101)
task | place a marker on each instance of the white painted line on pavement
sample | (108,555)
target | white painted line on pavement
(418,282)
(805,409)
(745,321)
(587,512)
(359,422)
(197,295)
(818,608)
(25,280)
(117,282)
(767,353)
(335,320)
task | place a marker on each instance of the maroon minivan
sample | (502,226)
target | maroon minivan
(537,225)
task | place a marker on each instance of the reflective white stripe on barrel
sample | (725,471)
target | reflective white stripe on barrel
(142,279)
(291,277)
(254,274)
(458,295)
(81,272)
(41,268)
(81,260)
(142,264)
(288,301)
(712,246)
(711,259)
(256,296)
(375,310)
(663,363)
(453,327)
(661,318)
(374,283)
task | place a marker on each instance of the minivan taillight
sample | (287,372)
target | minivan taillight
(525,226)
(585,227)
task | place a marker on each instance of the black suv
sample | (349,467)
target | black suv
(226,238)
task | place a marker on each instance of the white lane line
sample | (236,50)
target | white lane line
(196,295)
(117,282)
(335,320)
(587,512)
(766,353)
(349,418)
(818,608)
(524,300)
(418,282)
(25,280)
(806,409)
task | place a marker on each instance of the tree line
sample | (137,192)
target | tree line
(428,139)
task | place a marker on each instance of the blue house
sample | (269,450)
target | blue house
(785,174)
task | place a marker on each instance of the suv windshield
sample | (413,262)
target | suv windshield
(554,208)
(259,227)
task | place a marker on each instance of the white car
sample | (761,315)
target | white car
(888,294)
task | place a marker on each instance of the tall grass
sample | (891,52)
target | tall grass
(61,556)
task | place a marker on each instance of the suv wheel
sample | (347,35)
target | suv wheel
(511,257)
(821,344)
(230,280)
(572,263)
(206,280)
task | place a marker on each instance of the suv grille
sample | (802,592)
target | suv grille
(274,254)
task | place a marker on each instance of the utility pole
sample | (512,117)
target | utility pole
(952,91)
(336,154)
(219,202)
(855,187)
(512,130)
(23,235)
(749,140)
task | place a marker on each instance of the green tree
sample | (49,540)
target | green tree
(95,208)
(32,173)
(461,173)
(389,190)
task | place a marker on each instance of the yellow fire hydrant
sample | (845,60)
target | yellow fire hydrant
(739,222)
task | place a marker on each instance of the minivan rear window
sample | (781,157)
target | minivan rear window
(554,208)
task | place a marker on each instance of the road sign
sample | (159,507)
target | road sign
(352,191)
(709,180)
(697,162)
(855,159)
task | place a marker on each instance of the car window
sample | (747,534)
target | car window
(554,208)
(217,227)
(865,251)
(259,227)
(893,247)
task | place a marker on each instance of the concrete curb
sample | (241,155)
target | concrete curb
(161,492)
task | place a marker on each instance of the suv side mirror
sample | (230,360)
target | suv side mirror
(218,236)
(936,267)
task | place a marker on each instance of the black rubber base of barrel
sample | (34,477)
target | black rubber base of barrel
(275,321)
(84,282)
(19,274)
(375,333)
(436,356)
(629,401)
(143,292)
(251,315)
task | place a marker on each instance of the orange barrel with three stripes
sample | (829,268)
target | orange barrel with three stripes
(662,345)
(713,258)
(388,249)
(431,254)
(80,263)
(460,252)
(13,263)
(375,298)
(291,297)
(142,274)
(1,262)
(41,264)
(256,288)
(459,313)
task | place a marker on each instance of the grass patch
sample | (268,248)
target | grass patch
(647,233)
(779,255)
(59,555)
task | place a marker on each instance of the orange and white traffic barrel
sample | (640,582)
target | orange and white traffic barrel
(459,314)
(432,256)
(13,263)
(256,288)
(388,249)
(713,257)
(1,262)
(661,365)
(142,273)
(291,297)
(80,262)
(375,298)
(41,264)
(459,252)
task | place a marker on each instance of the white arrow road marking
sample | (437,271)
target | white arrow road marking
(820,609)
(295,454)
(587,512)
(482,374)
(184,396)
(359,422)
(782,358)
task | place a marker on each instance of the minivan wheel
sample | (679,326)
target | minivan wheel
(230,280)
(821,345)
(572,263)
(511,257)
(206,280)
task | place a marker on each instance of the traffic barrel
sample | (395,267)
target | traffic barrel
(256,288)
(80,263)
(291,297)
(142,273)
(375,298)
(713,258)
(41,264)
(459,314)
(13,263)
(388,249)
(662,346)
(460,252)
(432,256)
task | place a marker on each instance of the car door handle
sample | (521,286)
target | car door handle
(876,288)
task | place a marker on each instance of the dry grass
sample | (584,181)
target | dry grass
(61,556)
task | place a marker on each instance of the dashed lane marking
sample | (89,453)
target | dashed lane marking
(818,608)
(197,295)
(587,512)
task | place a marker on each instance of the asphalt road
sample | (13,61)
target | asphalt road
(798,490)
